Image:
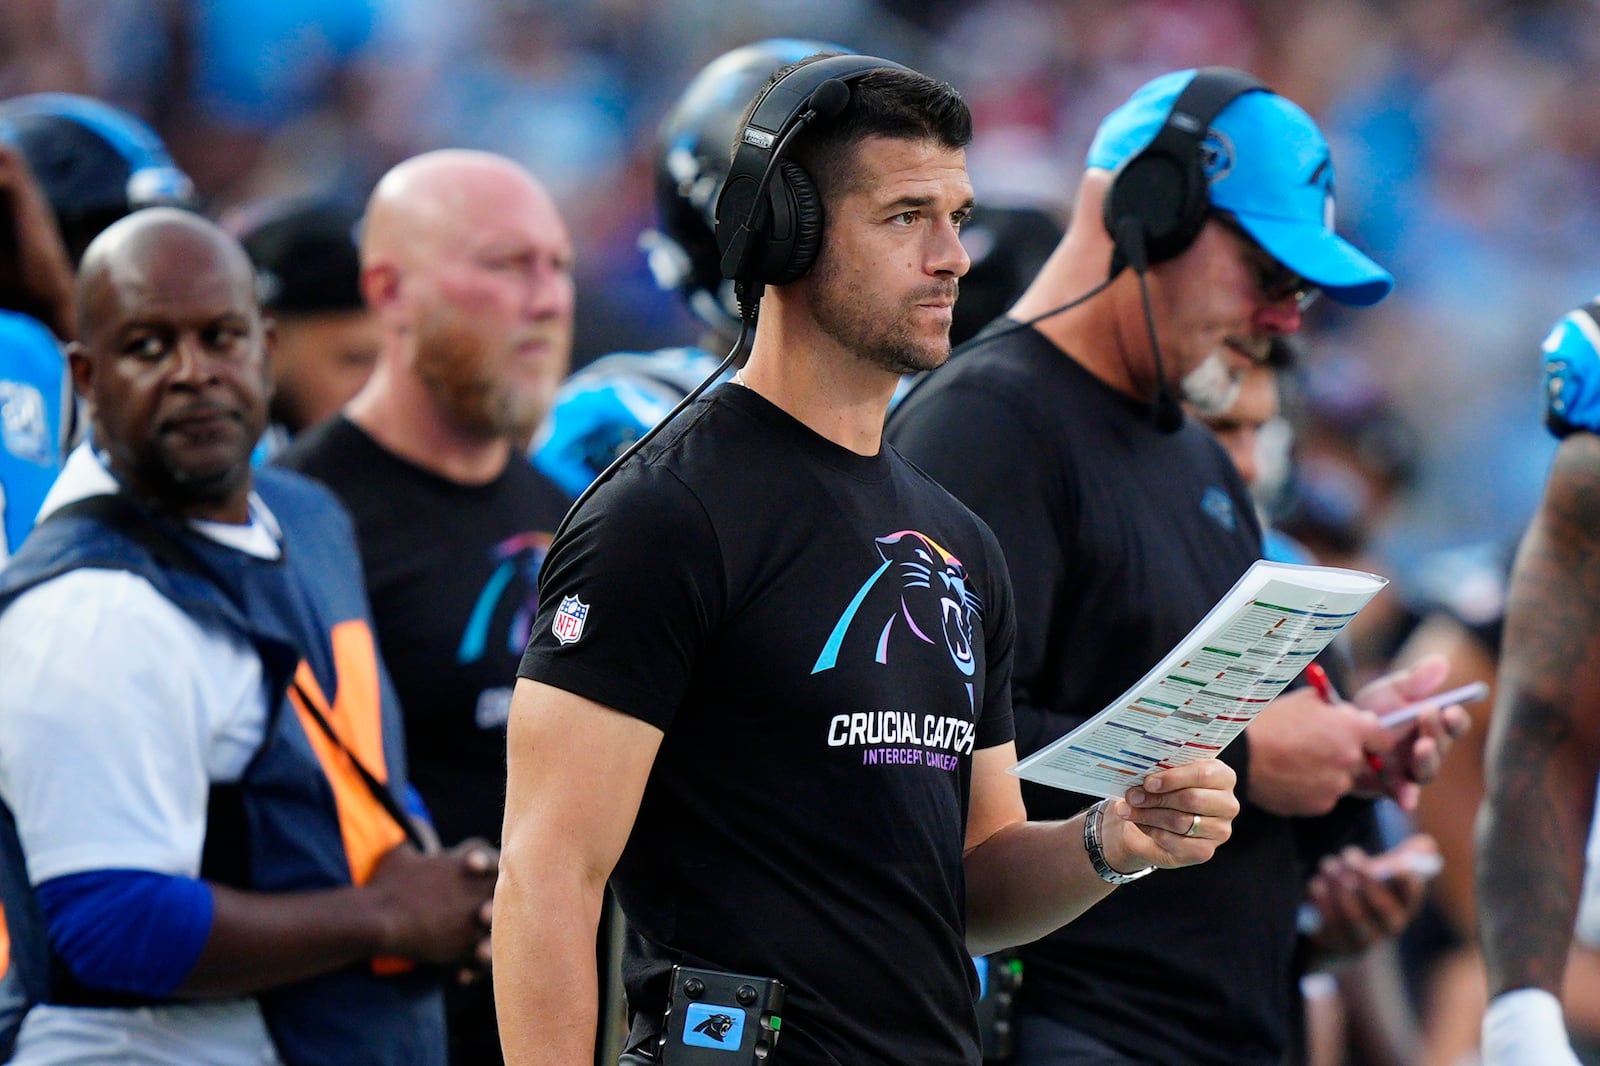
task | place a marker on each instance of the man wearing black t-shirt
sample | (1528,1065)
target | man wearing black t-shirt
(466,264)
(1124,522)
(770,679)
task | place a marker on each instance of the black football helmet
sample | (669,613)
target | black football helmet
(694,148)
(95,163)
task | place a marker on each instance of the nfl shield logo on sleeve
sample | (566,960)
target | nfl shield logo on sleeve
(568,625)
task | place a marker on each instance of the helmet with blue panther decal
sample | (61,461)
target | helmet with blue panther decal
(612,402)
(693,154)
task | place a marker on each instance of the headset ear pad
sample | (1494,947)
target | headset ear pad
(785,245)
(796,197)
(1165,194)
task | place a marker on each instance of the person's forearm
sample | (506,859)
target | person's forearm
(1531,837)
(1544,737)
(546,991)
(263,940)
(575,773)
(427,908)
(1026,880)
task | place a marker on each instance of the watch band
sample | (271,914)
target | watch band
(1097,856)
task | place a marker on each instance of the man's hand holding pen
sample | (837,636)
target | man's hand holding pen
(1405,754)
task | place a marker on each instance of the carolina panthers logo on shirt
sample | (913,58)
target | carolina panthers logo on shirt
(517,556)
(934,605)
(1219,505)
(24,423)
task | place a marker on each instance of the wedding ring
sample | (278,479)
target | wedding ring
(1194,827)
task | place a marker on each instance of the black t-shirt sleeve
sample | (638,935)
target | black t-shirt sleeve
(627,597)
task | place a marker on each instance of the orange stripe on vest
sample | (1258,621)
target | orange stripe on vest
(356,716)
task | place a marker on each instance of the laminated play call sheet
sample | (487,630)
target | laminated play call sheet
(1258,637)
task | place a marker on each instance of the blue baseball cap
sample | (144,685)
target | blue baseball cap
(1269,167)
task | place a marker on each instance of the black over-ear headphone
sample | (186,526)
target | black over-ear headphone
(768,232)
(1160,197)
(769,225)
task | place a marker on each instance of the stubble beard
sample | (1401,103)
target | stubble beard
(208,488)
(159,475)
(888,344)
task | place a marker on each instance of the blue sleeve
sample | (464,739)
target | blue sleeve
(412,803)
(127,930)
(609,404)
(32,389)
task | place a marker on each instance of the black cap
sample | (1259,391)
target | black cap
(306,256)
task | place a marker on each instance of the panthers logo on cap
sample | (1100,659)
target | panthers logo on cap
(1216,155)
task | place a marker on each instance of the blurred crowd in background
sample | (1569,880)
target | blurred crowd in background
(1467,158)
(1467,162)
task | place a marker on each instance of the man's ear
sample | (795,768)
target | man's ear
(81,367)
(380,288)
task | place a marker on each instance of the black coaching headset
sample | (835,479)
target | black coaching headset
(1160,196)
(769,213)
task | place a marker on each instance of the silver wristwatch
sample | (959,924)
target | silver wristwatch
(1097,856)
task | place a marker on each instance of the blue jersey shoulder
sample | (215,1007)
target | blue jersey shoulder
(608,405)
(32,392)
(1278,547)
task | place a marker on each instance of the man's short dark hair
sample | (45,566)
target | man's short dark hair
(885,103)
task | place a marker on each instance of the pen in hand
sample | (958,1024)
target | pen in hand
(1318,679)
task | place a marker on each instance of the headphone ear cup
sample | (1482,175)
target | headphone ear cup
(805,211)
(1166,194)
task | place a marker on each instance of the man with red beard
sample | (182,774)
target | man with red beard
(467,266)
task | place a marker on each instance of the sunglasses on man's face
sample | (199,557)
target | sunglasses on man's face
(1274,281)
